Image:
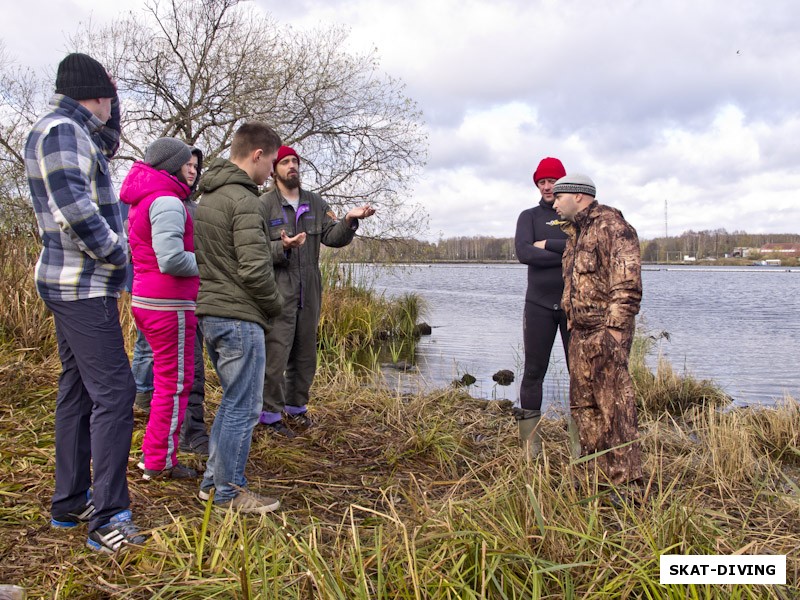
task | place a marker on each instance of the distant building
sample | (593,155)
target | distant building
(787,249)
(770,262)
(743,252)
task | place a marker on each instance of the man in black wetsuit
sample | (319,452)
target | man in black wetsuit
(540,246)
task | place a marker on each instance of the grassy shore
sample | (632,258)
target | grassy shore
(407,496)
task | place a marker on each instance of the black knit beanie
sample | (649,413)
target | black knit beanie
(167,154)
(81,77)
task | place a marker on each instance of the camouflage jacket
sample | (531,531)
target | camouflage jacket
(602,270)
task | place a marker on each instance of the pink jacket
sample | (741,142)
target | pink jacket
(161,235)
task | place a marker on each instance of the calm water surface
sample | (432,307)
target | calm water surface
(738,327)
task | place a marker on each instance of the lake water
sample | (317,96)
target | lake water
(736,326)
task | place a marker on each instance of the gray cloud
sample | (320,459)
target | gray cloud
(690,102)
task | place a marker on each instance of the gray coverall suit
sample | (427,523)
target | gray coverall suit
(292,342)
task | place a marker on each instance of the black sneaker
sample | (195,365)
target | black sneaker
(119,531)
(279,429)
(141,403)
(176,472)
(73,519)
(197,445)
(301,421)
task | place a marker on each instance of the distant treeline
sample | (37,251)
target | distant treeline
(715,243)
(700,244)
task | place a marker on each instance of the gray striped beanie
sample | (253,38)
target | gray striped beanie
(575,184)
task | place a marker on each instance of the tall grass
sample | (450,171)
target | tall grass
(428,497)
(665,390)
(394,496)
(25,324)
(356,321)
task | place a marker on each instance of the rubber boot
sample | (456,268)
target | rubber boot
(574,438)
(530,438)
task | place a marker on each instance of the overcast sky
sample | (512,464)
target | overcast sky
(692,103)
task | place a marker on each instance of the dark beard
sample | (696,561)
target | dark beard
(290,183)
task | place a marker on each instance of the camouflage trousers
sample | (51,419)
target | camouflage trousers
(602,402)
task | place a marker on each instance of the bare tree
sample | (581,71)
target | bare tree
(22,96)
(196,69)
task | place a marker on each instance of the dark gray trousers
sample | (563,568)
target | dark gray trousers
(292,355)
(94,408)
(194,423)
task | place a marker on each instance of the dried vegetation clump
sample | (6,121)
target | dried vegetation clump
(396,495)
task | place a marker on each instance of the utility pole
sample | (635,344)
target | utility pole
(666,231)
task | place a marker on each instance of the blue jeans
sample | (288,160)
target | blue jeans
(238,353)
(142,364)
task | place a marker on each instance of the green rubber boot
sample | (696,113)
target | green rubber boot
(530,439)
(574,438)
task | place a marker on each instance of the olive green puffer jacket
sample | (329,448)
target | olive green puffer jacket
(231,245)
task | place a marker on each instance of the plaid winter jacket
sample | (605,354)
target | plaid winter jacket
(84,253)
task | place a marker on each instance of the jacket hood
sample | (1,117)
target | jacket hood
(199,154)
(222,172)
(143,181)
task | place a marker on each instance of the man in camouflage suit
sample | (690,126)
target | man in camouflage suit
(602,292)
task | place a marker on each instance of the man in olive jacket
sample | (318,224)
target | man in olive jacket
(237,299)
(602,293)
(299,222)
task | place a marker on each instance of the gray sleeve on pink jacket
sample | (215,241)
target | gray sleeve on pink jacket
(168,225)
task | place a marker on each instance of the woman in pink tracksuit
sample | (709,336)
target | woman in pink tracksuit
(165,285)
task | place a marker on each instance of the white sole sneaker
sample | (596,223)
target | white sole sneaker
(250,502)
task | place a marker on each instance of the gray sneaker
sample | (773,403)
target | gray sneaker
(250,502)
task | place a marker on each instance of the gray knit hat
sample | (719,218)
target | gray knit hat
(575,184)
(167,154)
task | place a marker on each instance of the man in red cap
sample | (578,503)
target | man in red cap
(539,244)
(299,222)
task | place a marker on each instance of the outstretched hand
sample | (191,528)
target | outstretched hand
(293,242)
(360,213)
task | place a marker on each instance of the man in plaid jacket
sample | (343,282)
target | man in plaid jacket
(79,275)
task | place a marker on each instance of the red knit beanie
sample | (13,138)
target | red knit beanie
(285,151)
(549,168)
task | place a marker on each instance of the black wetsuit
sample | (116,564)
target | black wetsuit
(543,316)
